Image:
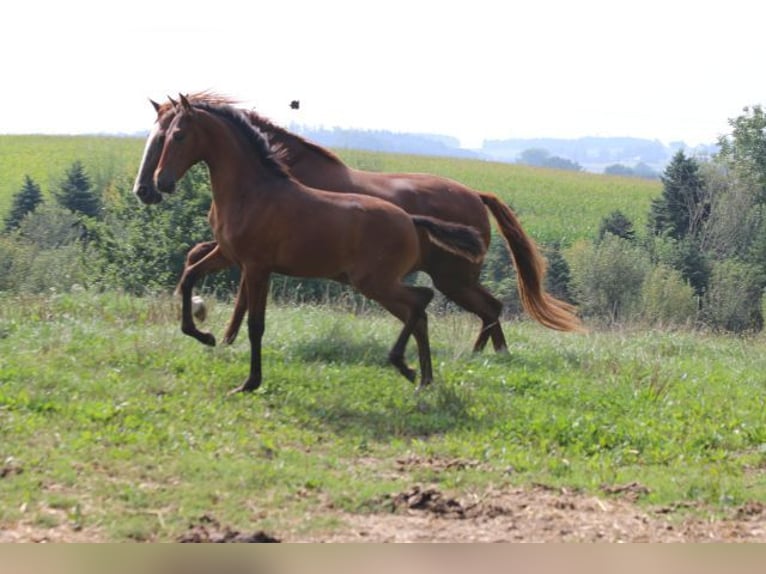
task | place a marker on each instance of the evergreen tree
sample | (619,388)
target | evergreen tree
(617,224)
(558,277)
(77,194)
(683,207)
(24,202)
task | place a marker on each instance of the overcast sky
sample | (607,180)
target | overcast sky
(669,70)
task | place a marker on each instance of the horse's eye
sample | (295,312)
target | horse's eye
(178,136)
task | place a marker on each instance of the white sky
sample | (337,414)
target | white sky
(670,70)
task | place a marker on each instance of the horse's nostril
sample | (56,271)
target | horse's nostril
(147,194)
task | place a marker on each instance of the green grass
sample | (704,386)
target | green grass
(116,421)
(46,158)
(553,205)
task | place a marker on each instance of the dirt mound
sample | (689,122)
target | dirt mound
(207,529)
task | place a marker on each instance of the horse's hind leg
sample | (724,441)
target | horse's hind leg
(409,305)
(213,260)
(475,299)
(240,307)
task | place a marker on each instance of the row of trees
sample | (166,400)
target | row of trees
(701,259)
(703,256)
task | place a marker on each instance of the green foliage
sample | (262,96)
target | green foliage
(744,150)
(44,254)
(50,227)
(142,248)
(733,299)
(558,278)
(667,300)
(77,194)
(738,220)
(684,206)
(617,224)
(686,257)
(24,202)
(607,278)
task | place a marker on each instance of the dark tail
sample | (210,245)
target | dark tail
(462,240)
(530,269)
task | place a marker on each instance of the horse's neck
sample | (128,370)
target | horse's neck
(236,178)
(311,165)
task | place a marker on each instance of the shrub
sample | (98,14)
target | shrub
(666,299)
(607,278)
(733,300)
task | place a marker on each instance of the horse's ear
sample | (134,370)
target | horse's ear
(175,103)
(155,105)
(185,103)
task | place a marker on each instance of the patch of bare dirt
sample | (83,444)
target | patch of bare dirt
(426,514)
(539,514)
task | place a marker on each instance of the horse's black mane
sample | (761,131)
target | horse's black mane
(266,126)
(271,155)
(278,131)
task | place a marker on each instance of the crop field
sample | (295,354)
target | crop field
(114,426)
(553,205)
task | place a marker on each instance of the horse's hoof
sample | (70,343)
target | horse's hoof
(229,339)
(207,339)
(246,387)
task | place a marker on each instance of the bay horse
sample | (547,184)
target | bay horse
(266,221)
(419,194)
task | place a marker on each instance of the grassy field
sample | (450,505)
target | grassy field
(112,421)
(46,158)
(553,205)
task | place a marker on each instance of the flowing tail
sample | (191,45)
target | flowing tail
(462,240)
(530,268)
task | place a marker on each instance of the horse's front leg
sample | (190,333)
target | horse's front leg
(257,287)
(213,260)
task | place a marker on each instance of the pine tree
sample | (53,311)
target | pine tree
(77,194)
(24,202)
(683,206)
(617,223)
(558,279)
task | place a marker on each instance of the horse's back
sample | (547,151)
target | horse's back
(347,234)
(425,194)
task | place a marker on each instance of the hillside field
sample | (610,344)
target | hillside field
(553,205)
(114,427)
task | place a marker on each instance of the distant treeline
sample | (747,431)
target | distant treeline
(616,155)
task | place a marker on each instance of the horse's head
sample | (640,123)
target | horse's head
(178,150)
(144,187)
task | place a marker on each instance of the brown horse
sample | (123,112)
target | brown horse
(419,194)
(265,221)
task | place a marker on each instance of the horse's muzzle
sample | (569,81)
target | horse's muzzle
(166,183)
(147,194)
